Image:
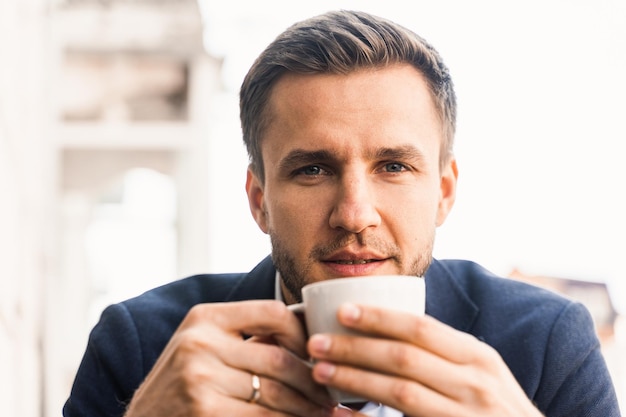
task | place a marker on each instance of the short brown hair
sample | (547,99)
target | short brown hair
(339,42)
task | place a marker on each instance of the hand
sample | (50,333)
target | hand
(206,368)
(417,365)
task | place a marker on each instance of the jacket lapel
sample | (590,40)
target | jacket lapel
(447,301)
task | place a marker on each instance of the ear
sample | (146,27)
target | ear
(447,195)
(254,189)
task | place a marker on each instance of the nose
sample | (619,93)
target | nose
(354,209)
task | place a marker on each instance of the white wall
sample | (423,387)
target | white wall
(25,187)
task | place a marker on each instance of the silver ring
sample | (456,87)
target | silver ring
(256,389)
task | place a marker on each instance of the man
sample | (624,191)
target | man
(349,121)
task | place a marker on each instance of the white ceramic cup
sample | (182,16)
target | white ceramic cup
(321,300)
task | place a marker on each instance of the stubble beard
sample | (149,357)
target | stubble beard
(295,275)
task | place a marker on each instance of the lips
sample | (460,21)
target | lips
(349,257)
(354,262)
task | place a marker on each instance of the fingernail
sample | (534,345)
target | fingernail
(324,371)
(343,412)
(350,312)
(319,343)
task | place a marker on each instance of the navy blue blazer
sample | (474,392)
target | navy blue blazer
(547,341)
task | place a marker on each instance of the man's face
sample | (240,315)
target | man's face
(352,179)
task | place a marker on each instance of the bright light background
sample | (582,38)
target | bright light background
(540,140)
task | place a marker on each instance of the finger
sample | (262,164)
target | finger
(277,363)
(346,412)
(389,357)
(277,396)
(234,407)
(264,318)
(266,360)
(423,331)
(207,376)
(403,395)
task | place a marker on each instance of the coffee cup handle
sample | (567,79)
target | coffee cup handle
(297,308)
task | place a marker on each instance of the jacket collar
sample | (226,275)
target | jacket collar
(258,284)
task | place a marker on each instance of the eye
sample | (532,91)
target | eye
(395,167)
(311,170)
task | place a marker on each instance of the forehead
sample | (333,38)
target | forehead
(397,81)
(392,103)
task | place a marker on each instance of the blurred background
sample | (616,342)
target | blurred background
(122,167)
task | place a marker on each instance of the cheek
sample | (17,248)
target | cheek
(413,213)
(296,215)
(414,220)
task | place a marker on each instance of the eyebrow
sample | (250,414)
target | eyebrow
(402,153)
(301,157)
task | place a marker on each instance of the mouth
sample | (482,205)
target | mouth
(352,265)
(347,262)
(354,262)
